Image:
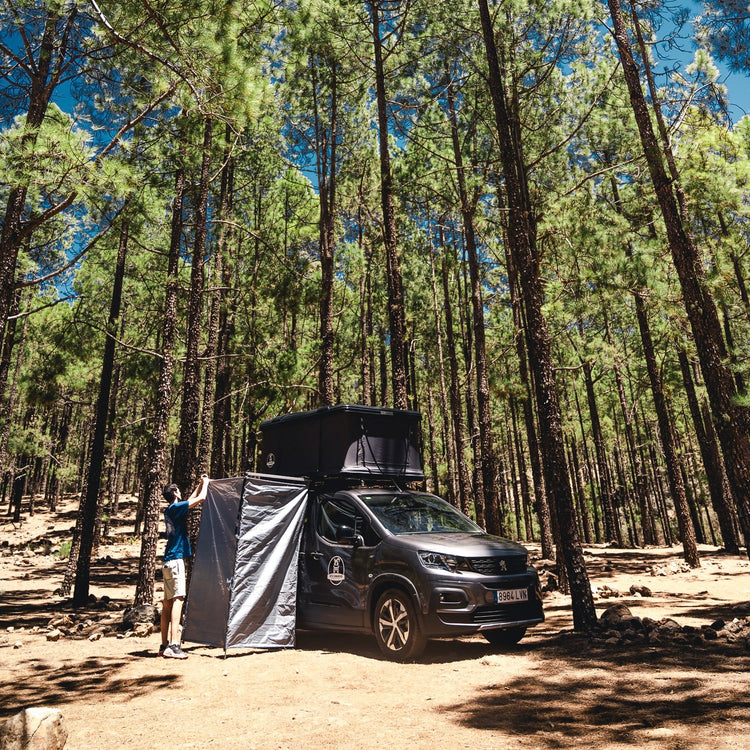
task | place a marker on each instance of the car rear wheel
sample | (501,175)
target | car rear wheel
(398,630)
(506,637)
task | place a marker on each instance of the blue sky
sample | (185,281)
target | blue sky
(739,96)
(738,84)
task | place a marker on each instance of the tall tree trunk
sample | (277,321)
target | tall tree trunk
(666,433)
(431,431)
(396,315)
(367,351)
(490,464)
(222,411)
(8,464)
(467,345)
(88,507)
(326,162)
(588,471)
(666,430)
(737,267)
(205,441)
(456,409)
(579,482)
(157,449)
(717,485)
(638,475)
(612,531)
(541,501)
(449,445)
(731,420)
(522,246)
(523,479)
(61,444)
(185,462)
(113,460)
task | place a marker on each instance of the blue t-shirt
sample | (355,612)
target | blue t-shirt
(178,542)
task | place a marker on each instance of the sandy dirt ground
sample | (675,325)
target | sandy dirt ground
(556,689)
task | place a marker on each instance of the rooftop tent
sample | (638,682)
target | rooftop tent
(243,586)
(344,441)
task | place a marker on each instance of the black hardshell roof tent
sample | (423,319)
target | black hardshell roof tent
(343,441)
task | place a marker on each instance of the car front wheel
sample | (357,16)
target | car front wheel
(504,638)
(398,630)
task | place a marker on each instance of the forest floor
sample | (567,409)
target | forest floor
(556,689)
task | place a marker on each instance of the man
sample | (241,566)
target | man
(173,571)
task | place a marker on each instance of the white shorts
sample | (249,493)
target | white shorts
(173,572)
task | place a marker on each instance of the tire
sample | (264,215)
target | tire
(398,629)
(503,638)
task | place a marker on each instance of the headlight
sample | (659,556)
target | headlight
(439,561)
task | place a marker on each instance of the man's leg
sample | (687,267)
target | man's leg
(166,619)
(176,616)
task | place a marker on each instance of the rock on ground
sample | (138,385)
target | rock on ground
(34,729)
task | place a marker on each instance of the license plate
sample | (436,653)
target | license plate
(508,596)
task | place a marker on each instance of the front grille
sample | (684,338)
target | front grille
(498,566)
(530,610)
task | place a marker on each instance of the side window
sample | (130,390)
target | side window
(334,512)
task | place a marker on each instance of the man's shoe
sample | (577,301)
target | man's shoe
(173,651)
(161,649)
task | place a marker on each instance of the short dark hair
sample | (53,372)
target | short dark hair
(170,492)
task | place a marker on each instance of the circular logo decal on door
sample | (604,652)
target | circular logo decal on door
(336,570)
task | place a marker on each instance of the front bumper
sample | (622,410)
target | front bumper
(469,606)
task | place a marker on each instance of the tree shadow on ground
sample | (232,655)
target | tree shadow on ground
(438,651)
(443,651)
(52,684)
(30,608)
(617,696)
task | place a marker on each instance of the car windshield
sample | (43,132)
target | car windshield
(415,513)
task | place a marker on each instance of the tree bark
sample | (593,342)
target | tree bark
(715,476)
(325,137)
(637,473)
(612,531)
(666,433)
(449,443)
(523,250)
(157,449)
(456,409)
(186,461)
(541,501)
(222,409)
(490,463)
(88,507)
(396,315)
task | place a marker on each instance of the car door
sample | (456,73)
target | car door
(335,563)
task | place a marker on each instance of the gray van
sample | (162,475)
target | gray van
(408,566)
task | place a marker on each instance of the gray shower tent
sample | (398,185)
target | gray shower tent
(243,587)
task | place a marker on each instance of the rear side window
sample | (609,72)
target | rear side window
(334,512)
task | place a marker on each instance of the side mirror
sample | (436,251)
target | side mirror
(347,535)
